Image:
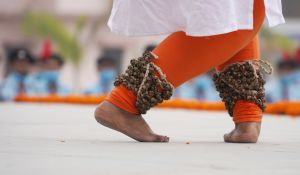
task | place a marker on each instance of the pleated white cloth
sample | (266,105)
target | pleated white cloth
(194,17)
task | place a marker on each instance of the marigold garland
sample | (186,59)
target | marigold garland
(291,108)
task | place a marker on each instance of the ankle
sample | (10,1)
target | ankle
(123,99)
(248,127)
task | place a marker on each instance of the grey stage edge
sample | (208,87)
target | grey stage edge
(65,139)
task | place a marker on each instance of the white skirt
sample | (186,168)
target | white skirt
(194,17)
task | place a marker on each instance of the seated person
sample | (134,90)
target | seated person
(206,90)
(107,72)
(290,82)
(287,83)
(19,61)
(199,88)
(45,80)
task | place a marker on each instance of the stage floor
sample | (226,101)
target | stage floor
(61,139)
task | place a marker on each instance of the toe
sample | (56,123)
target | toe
(166,139)
(153,138)
(160,138)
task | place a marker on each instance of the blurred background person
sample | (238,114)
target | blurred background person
(290,78)
(107,71)
(53,66)
(199,88)
(18,67)
(46,78)
(45,74)
(285,86)
(206,90)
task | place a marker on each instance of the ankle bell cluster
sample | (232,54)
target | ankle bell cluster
(242,81)
(141,78)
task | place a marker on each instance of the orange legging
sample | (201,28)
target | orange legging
(183,57)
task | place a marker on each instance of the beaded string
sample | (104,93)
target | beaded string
(151,67)
(141,79)
(259,64)
(241,81)
(161,74)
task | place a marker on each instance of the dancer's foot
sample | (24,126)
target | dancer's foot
(246,132)
(129,124)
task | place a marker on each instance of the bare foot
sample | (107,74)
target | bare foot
(129,124)
(246,132)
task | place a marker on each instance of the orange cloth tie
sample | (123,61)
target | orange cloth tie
(246,112)
(123,98)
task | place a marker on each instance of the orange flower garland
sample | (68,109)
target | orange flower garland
(291,108)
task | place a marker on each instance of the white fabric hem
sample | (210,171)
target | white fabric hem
(194,34)
(278,21)
(188,33)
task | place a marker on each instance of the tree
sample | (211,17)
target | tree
(44,25)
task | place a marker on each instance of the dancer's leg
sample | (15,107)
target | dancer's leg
(181,58)
(247,116)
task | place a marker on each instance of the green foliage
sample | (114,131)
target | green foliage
(80,22)
(44,25)
(276,40)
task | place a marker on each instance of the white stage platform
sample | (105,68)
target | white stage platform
(56,139)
